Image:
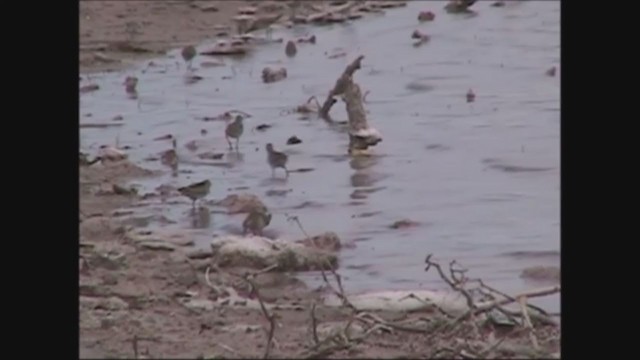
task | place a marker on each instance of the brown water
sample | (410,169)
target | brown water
(481,178)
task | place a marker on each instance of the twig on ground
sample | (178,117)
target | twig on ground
(527,321)
(297,221)
(228,348)
(314,324)
(271,317)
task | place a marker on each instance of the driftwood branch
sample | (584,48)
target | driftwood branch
(338,88)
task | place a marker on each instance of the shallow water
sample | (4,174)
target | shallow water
(481,178)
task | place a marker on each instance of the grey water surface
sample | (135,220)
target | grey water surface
(482,179)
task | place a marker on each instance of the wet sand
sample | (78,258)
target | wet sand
(369,196)
(153,26)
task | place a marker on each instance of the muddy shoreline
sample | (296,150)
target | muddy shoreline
(157,302)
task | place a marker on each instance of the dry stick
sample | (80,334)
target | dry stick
(270,317)
(454,285)
(529,294)
(338,88)
(297,221)
(314,324)
(228,348)
(527,321)
(482,284)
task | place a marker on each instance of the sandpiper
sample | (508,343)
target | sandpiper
(256,221)
(188,53)
(290,49)
(130,84)
(234,130)
(196,191)
(276,160)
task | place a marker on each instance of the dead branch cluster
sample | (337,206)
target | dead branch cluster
(478,332)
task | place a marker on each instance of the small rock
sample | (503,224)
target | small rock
(270,75)
(311,39)
(551,72)
(263,127)
(471,96)
(89,88)
(118,118)
(426,16)
(293,140)
(402,224)
(499,3)
(277,192)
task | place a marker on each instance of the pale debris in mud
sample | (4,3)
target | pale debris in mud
(404,301)
(259,252)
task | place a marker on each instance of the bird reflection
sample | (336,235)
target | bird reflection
(200,217)
(235,157)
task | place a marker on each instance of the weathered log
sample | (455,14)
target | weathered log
(339,86)
(361,135)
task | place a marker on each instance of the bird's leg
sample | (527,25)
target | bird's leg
(229,141)
(238,144)
(286,171)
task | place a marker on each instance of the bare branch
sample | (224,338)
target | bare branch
(314,324)
(339,86)
(527,322)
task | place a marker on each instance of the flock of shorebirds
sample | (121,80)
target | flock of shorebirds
(259,217)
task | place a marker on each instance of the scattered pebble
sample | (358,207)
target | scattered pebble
(293,140)
(89,88)
(403,224)
(551,72)
(426,16)
(471,96)
(263,127)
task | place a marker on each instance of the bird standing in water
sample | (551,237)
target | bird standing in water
(276,160)
(188,53)
(196,191)
(256,221)
(234,130)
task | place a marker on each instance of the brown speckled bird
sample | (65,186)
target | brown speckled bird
(256,221)
(196,191)
(276,160)
(188,53)
(234,130)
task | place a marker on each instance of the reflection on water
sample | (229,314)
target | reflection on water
(429,169)
(200,217)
